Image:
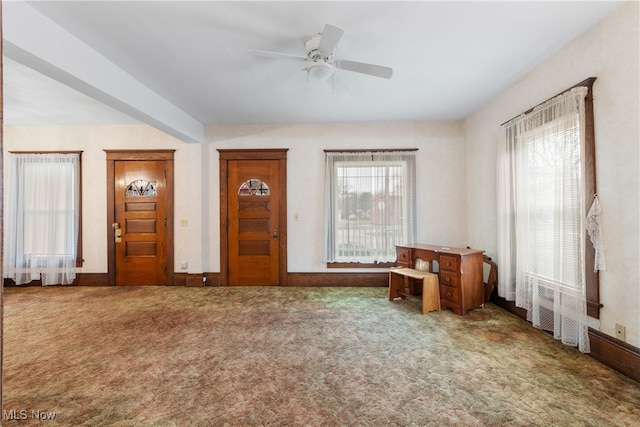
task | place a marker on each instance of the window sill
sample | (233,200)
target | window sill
(360,265)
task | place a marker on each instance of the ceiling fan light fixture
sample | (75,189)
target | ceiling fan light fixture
(319,71)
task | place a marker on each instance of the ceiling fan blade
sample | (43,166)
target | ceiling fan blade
(268,54)
(331,35)
(361,67)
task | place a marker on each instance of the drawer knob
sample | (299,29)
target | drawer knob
(447,263)
(448,294)
(447,279)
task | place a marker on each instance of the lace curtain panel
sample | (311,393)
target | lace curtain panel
(41,218)
(541,220)
(370,205)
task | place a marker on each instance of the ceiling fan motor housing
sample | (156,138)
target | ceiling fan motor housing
(311,47)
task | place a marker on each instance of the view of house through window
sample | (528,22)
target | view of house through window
(370,205)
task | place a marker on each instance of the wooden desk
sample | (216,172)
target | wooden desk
(459,273)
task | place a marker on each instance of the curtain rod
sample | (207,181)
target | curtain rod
(587,82)
(371,151)
(47,152)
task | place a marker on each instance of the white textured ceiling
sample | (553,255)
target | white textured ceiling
(448,58)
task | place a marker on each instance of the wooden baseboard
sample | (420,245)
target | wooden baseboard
(616,354)
(82,279)
(92,279)
(612,352)
(195,281)
(377,279)
(338,279)
(212,279)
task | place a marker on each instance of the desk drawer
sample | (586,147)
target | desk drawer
(449,278)
(402,256)
(449,263)
(450,293)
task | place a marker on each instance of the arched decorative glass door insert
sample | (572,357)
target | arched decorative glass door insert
(253,187)
(140,187)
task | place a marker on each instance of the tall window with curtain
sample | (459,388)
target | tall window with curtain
(42,218)
(370,205)
(541,209)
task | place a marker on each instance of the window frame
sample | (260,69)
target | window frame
(592,278)
(341,264)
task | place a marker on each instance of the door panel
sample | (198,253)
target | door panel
(140,213)
(253,222)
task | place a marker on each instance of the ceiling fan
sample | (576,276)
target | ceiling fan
(319,50)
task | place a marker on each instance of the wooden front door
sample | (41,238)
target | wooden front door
(140,227)
(255,231)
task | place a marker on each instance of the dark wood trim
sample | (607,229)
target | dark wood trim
(213,279)
(140,155)
(282,234)
(179,279)
(194,281)
(592,278)
(339,279)
(82,279)
(224,222)
(92,279)
(225,155)
(253,154)
(586,82)
(102,279)
(616,354)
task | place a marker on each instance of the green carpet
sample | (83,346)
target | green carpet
(273,356)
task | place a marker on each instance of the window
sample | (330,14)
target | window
(545,188)
(369,206)
(42,223)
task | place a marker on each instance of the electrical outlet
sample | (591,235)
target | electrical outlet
(621,332)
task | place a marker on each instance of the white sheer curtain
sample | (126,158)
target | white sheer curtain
(41,218)
(370,205)
(541,212)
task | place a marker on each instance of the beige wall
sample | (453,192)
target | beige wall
(608,51)
(456,171)
(440,175)
(441,201)
(93,140)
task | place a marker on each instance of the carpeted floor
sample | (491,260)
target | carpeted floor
(289,357)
